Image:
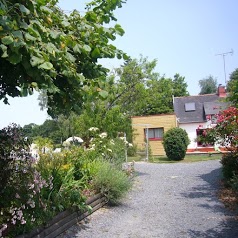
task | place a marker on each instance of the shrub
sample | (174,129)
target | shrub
(70,175)
(229,165)
(21,204)
(175,143)
(109,181)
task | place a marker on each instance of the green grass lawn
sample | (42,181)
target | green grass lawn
(187,159)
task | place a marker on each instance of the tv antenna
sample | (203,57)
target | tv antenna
(224,61)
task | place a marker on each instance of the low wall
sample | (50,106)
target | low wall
(66,219)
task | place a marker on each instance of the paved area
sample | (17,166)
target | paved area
(167,201)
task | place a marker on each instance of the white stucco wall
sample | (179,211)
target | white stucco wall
(191,130)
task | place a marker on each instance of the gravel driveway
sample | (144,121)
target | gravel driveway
(167,200)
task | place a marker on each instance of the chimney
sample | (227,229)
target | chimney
(221,91)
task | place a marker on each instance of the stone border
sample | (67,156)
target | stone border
(64,220)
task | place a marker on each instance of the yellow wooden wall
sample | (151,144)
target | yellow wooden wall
(167,121)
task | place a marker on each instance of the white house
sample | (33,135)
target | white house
(197,113)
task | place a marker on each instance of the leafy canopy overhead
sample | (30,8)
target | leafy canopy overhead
(41,48)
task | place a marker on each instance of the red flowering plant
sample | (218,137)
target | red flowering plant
(227,128)
(225,134)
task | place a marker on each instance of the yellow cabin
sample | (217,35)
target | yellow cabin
(156,125)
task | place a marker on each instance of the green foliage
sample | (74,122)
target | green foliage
(31,193)
(229,165)
(234,183)
(225,133)
(232,88)
(175,143)
(110,181)
(139,90)
(43,143)
(21,185)
(208,85)
(42,48)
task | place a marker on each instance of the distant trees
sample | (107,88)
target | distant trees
(208,85)
(232,88)
(133,89)
(139,90)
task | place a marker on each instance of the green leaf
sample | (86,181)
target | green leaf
(46,9)
(77,48)
(7,40)
(23,25)
(23,9)
(5,54)
(119,30)
(65,23)
(46,65)
(119,56)
(87,48)
(36,61)
(24,92)
(15,58)
(125,57)
(55,34)
(34,84)
(3,48)
(103,94)
(18,34)
(29,37)
(70,57)
(96,53)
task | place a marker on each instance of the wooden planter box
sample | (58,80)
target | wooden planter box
(64,220)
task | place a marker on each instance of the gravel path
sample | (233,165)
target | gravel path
(167,201)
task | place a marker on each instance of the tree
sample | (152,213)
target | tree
(232,88)
(44,49)
(179,86)
(208,85)
(130,88)
(140,90)
(43,144)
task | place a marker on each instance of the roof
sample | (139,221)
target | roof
(208,104)
(212,108)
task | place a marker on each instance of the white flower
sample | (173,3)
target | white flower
(103,135)
(93,129)
(109,150)
(31,186)
(130,145)
(123,138)
(112,142)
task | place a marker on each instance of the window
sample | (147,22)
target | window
(190,106)
(201,141)
(155,133)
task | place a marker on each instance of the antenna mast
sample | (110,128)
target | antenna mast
(224,61)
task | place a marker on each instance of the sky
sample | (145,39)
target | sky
(184,36)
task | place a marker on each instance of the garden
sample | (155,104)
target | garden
(35,190)
(56,54)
